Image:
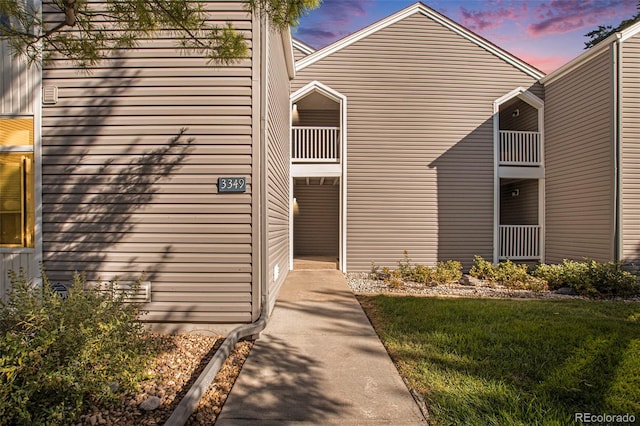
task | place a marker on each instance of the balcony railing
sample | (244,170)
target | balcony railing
(315,144)
(520,148)
(520,242)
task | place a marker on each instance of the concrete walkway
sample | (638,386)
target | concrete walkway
(319,361)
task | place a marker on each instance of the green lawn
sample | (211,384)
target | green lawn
(509,362)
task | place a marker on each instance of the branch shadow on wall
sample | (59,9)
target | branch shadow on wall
(92,192)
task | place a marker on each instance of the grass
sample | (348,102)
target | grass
(516,362)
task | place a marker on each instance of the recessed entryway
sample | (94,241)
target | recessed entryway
(316,222)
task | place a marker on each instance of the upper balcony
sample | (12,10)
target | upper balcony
(311,144)
(520,148)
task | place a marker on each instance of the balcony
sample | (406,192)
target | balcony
(315,144)
(521,242)
(518,148)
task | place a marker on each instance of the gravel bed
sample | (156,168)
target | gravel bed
(180,360)
(361,283)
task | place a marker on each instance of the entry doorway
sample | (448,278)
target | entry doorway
(316,222)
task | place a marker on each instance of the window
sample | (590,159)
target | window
(16,182)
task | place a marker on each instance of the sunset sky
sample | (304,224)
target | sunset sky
(545,33)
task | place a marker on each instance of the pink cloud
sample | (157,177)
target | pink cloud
(563,16)
(545,63)
(481,20)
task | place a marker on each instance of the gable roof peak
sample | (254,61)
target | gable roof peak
(425,10)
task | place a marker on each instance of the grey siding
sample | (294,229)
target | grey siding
(127,192)
(19,89)
(278,155)
(316,219)
(579,163)
(419,141)
(521,209)
(630,133)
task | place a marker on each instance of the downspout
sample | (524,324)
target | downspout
(190,401)
(617,144)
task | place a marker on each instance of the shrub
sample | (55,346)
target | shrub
(447,272)
(59,356)
(483,269)
(508,274)
(590,278)
(421,274)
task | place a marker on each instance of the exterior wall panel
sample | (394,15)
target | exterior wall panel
(419,141)
(132,153)
(19,95)
(630,136)
(278,157)
(579,163)
(317,220)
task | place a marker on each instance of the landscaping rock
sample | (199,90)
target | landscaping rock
(469,280)
(567,291)
(150,404)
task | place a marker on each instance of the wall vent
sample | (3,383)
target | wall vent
(50,95)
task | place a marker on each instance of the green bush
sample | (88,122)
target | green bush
(509,274)
(422,274)
(447,272)
(405,270)
(59,356)
(590,278)
(483,269)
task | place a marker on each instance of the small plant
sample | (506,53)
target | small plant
(483,269)
(396,282)
(422,274)
(447,272)
(59,356)
(405,270)
(375,271)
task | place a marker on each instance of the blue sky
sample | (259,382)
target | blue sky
(545,33)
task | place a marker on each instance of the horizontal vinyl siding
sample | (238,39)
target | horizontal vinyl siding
(579,163)
(298,54)
(126,193)
(419,140)
(278,156)
(630,134)
(316,220)
(521,209)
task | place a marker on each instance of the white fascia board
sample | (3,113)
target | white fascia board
(316,170)
(303,47)
(584,57)
(516,172)
(524,94)
(630,32)
(437,17)
(320,88)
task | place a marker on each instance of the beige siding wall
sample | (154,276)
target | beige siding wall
(320,118)
(278,158)
(527,119)
(126,191)
(579,163)
(316,219)
(420,141)
(630,134)
(19,89)
(521,209)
